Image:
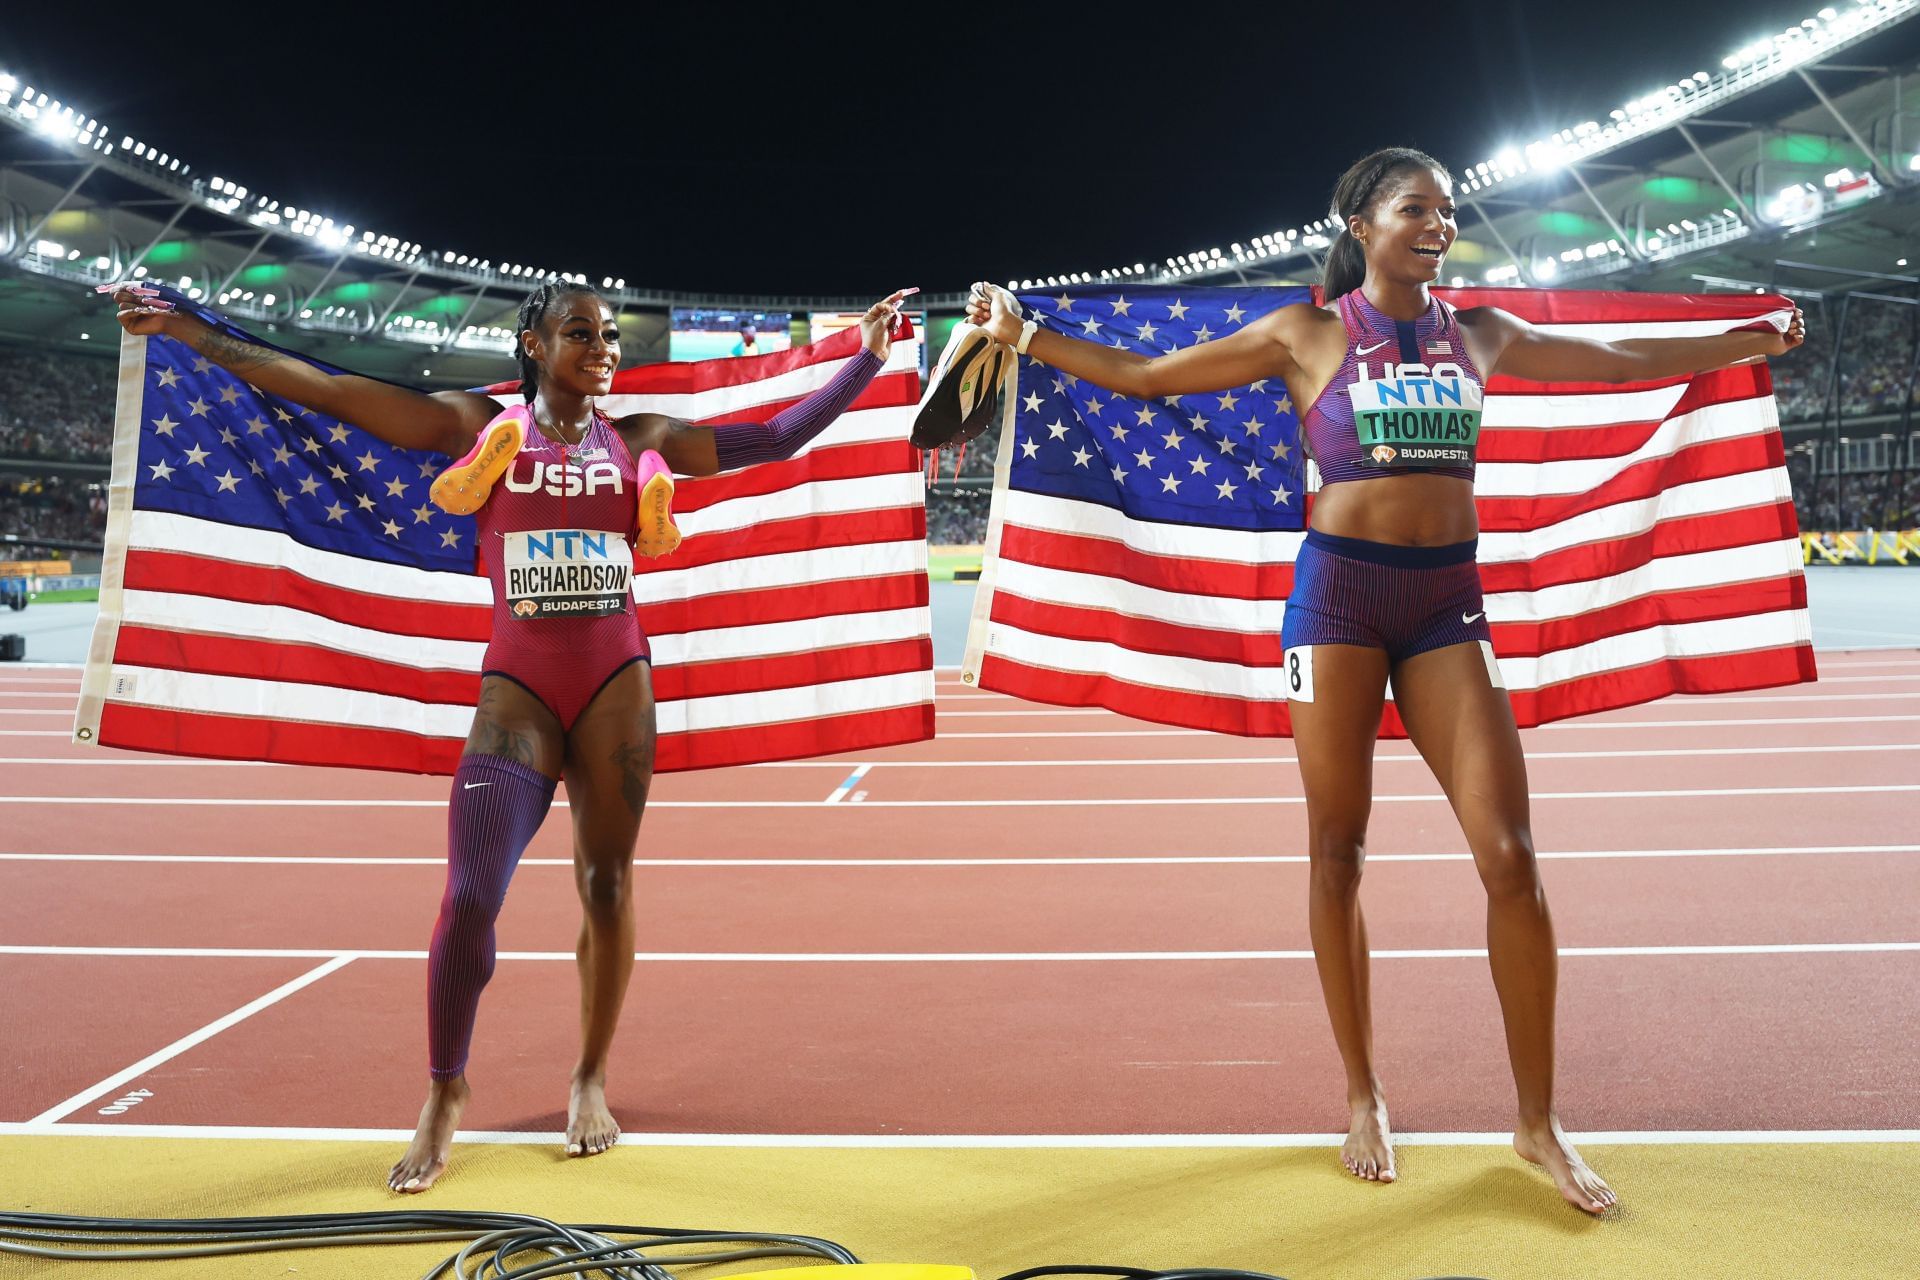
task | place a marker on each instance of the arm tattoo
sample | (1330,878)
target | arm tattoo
(636,772)
(231,353)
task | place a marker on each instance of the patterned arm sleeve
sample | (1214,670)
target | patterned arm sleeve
(740,444)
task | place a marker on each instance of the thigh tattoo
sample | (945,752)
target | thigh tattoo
(495,739)
(636,772)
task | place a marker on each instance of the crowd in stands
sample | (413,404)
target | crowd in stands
(59,406)
(1874,363)
(957,517)
(50,507)
(55,406)
(1868,500)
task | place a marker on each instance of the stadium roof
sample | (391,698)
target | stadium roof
(1782,152)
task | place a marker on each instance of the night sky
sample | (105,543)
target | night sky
(760,148)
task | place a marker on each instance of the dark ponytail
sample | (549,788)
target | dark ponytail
(1353,196)
(532,313)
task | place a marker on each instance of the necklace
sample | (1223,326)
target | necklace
(560,436)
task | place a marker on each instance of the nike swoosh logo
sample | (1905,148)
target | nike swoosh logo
(1467,618)
(471,785)
(1363,351)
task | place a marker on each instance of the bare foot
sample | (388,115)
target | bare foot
(1368,1151)
(1546,1145)
(591,1128)
(426,1157)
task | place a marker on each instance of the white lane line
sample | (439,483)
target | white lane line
(186,1042)
(1161,762)
(841,792)
(1702,724)
(971,1141)
(1091,733)
(1154,860)
(1158,762)
(966,957)
(1706,700)
(145,762)
(1556,725)
(1702,701)
(1825,679)
(255,802)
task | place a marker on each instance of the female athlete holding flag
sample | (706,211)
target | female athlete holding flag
(566,689)
(1386,588)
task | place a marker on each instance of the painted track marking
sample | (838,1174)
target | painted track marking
(841,792)
(1158,762)
(245,802)
(1276,859)
(958,957)
(186,1042)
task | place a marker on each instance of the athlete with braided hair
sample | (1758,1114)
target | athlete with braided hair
(562,492)
(1386,588)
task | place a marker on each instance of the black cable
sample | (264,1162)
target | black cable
(493,1241)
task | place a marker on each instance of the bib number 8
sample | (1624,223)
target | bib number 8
(1299,666)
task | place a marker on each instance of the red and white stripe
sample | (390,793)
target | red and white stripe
(1636,540)
(792,621)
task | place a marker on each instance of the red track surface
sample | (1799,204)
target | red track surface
(1016,1044)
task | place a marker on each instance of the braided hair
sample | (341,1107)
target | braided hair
(533,312)
(1354,196)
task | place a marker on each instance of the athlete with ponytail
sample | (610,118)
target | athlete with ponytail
(566,690)
(1386,588)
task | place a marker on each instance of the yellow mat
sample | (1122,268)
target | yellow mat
(1735,1211)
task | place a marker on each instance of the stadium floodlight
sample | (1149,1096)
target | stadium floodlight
(1546,269)
(50,249)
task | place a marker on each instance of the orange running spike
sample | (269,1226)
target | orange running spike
(462,488)
(658,535)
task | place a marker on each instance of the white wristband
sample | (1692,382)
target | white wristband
(1026,336)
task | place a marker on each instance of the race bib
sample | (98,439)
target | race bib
(567,573)
(1297,666)
(1414,415)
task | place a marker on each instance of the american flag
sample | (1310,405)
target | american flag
(1636,540)
(278,587)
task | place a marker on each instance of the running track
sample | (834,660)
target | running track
(1046,924)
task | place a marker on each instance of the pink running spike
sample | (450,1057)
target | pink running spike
(462,488)
(657,534)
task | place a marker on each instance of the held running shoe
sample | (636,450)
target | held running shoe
(462,488)
(657,534)
(963,391)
